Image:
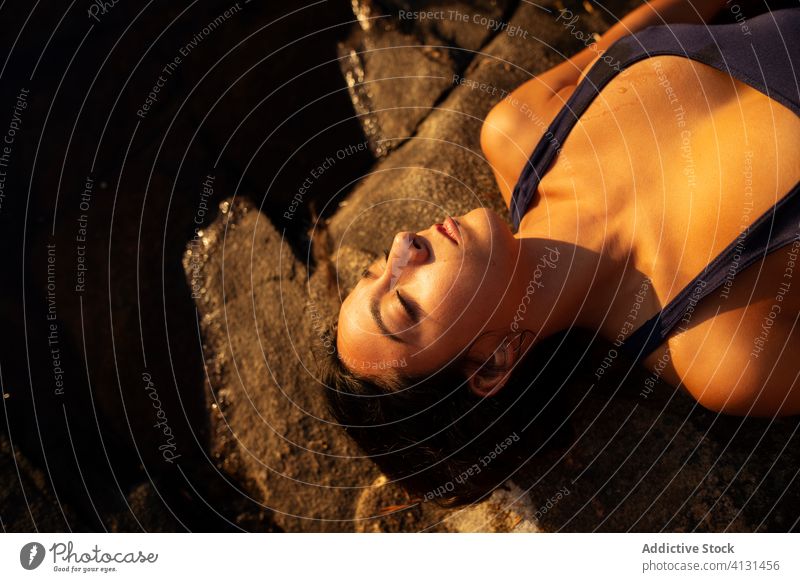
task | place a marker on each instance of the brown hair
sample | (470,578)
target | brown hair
(438,439)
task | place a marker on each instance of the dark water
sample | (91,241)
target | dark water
(130,125)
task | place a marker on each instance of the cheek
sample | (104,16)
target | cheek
(464,279)
(488,283)
(451,296)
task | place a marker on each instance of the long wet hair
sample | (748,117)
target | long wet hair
(438,439)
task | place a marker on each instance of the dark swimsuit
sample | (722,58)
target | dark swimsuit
(769,60)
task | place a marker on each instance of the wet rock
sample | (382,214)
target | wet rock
(664,462)
(393,81)
(270,427)
(385,507)
(403,57)
(508,509)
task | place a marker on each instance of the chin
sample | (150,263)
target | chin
(489,227)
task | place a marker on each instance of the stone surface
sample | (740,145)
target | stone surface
(381,509)
(403,57)
(662,462)
(269,425)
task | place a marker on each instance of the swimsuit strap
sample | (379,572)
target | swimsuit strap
(775,228)
(767,57)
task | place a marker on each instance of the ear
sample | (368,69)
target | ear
(490,377)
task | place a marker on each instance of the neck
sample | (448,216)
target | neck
(573,272)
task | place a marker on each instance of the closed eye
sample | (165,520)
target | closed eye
(410,307)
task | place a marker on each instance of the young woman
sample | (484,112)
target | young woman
(653,182)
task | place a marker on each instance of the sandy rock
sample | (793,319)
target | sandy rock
(384,507)
(270,427)
(402,58)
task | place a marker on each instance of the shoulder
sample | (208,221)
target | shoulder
(512,129)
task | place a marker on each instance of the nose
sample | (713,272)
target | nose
(408,247)
(407,250)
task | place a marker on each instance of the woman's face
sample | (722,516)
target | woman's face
(437,291)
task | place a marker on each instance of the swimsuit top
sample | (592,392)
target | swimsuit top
(768,59)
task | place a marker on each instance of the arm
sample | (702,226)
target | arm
(649,13)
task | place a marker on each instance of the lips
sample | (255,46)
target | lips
(449,228)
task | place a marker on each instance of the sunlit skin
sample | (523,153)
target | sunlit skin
(615,203)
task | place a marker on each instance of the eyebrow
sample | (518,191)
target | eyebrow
(375,310)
